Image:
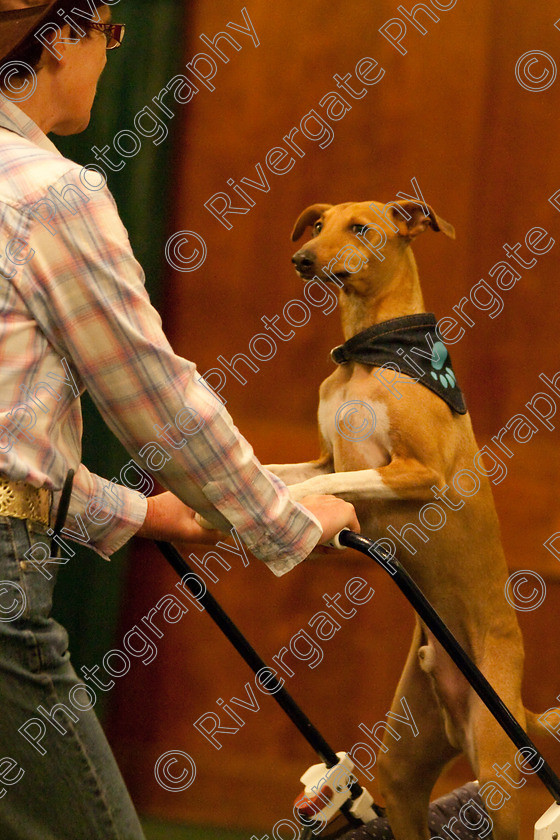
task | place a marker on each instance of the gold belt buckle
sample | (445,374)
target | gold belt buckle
(22,501)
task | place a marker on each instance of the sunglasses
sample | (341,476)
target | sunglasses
(114,33)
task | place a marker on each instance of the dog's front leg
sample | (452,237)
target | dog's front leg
(300,473)
(402,478)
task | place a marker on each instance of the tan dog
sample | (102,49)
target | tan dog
(416,449)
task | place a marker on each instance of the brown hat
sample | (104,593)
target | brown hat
(17,19)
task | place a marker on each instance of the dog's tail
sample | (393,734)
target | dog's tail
(547,723)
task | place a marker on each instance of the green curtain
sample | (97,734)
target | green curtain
(89,590)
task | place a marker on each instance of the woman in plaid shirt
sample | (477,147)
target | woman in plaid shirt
(75,316)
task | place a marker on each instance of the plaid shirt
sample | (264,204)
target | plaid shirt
(74,316)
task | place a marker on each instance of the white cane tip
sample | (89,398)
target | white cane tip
(335,542)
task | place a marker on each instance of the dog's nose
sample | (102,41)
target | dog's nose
(303,260)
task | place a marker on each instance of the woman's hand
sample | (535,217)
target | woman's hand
(334,514)
(169,519)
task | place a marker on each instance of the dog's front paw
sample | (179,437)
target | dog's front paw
(296,492)
(311,487)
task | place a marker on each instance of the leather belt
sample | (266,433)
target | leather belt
(22,501)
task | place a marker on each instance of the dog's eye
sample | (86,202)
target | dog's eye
(317,228)
(359,230)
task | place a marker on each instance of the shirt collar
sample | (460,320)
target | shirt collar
(14,119)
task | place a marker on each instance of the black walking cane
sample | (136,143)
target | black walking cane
(414,595)
(474,676)
(355,816)
(62,512)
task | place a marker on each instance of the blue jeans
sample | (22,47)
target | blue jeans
(61,782)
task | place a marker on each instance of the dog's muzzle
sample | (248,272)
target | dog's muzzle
(304,262)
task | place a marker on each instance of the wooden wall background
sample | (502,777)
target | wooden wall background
(484,150)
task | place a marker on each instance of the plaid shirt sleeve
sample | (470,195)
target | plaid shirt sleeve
(85,290)
(102,514)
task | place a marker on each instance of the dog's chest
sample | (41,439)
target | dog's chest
(350,422)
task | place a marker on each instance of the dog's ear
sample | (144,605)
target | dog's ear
(307,218)
(417,220)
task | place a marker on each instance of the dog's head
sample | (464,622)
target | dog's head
(357,242)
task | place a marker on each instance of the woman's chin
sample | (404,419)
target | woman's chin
(75,126)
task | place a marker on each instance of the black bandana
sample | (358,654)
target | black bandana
(410,345)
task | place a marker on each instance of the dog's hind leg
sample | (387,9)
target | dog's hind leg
(410,766)
(493,757)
